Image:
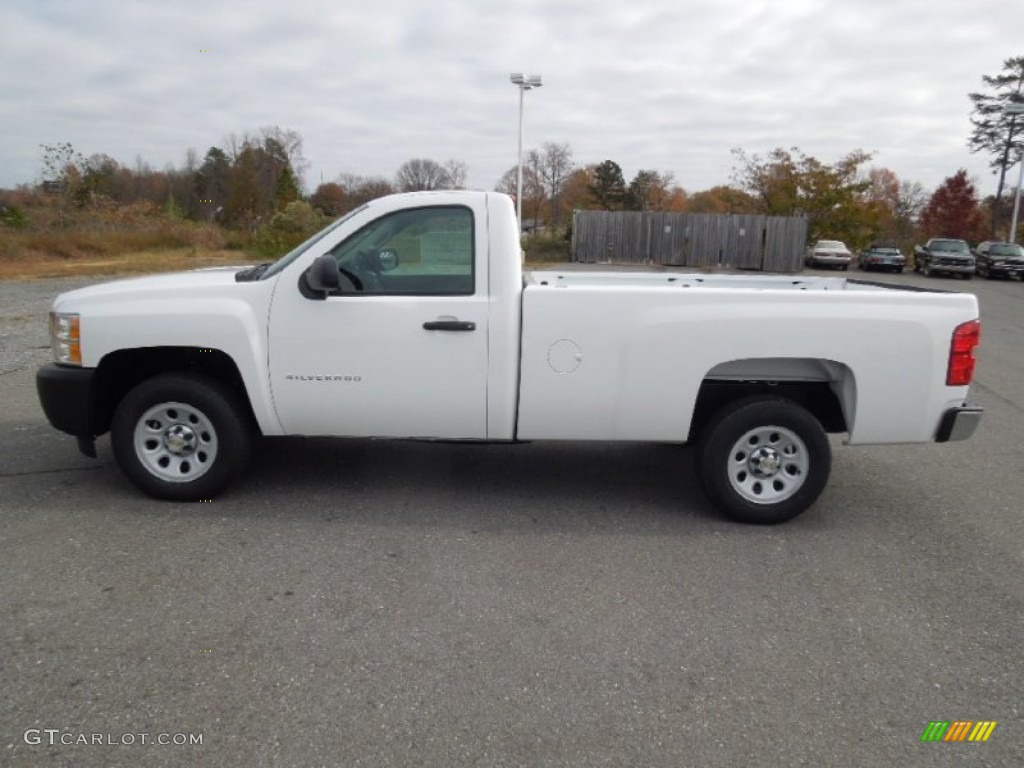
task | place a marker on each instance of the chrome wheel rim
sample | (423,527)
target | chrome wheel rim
(768,465)
(176,442)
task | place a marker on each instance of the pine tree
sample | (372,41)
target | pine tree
(997,132)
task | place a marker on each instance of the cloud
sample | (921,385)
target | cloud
(659,84)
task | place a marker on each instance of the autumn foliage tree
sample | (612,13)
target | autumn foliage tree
(831,196)
(722,199)
(953,211)
(898,204)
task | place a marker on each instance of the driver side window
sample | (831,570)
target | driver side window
(417,252)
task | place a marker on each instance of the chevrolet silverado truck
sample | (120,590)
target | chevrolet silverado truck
(411,317)
(944,255)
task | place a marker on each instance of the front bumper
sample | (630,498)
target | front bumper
(67,396)
(1006,270)
(958,423)
(953,269)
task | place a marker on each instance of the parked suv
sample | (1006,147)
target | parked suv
(995,259)
(944,255)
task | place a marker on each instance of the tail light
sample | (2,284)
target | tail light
(961,354)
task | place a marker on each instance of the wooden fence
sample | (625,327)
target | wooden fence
(747,241)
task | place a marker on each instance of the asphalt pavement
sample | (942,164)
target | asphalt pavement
(392,603)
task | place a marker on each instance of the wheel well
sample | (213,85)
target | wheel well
(118,372)
(816,396)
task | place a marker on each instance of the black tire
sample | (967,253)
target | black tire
(790,440)
(181,437)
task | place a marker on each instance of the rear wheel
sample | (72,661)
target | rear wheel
(763,460)
(180,437)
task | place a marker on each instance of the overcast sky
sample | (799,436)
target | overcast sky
(668,85)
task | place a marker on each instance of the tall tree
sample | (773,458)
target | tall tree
(213,183)
(899,204)
(997,133)
(287,148)
(576,194)
(533,187)
(722,199)
(608,186)
(245,203)
(330,199)
(362,189)
(421,173)
(790,183)
(554,166)
(61,174)
(457,173)
(953,210)
(649,191)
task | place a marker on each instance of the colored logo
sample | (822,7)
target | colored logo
(958,730)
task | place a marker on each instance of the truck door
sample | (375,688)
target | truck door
(402,350)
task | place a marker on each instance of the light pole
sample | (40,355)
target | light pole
(1016,109)
(524,83)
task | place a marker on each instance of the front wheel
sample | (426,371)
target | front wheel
(763,460)
(180,437)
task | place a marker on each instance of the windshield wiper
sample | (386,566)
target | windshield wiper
(250,275)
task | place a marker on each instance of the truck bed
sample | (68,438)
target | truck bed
(599,349)
(699,280)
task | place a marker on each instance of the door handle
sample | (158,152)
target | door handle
(449,325)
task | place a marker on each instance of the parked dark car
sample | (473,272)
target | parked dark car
(944,255)
(995,259)
(883,257)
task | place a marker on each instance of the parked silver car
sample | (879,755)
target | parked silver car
(829,253)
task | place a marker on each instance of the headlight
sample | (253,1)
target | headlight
(66,338)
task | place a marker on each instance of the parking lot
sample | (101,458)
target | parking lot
(392,603)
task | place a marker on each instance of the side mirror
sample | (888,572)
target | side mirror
(323,277)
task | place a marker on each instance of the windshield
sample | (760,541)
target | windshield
(293,254)
(887,251)
(950,246)
(1006,249)
(834,244)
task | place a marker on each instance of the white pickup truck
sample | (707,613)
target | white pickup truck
(411,318)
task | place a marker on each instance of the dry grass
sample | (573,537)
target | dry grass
(36,265)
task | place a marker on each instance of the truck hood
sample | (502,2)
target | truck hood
(205,282)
